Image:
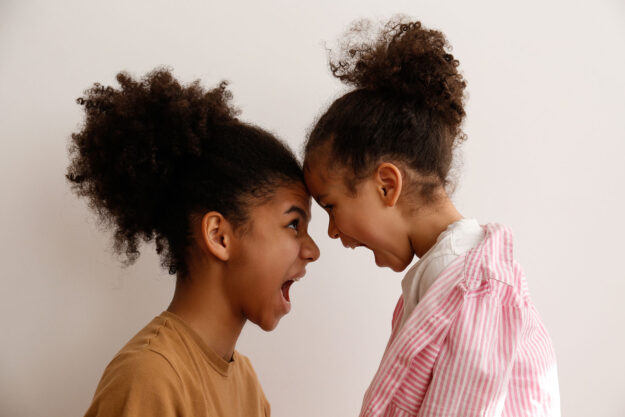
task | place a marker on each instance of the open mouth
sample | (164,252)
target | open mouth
(285,290)
(286,297)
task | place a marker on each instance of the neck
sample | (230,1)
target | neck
(429,222)
(201,301)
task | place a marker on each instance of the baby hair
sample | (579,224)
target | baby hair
(154,153)
(407,104)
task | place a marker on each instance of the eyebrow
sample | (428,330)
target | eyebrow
(298,210)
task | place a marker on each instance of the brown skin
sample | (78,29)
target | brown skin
(393,229)
(238,276)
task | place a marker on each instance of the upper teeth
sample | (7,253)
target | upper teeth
(296,279)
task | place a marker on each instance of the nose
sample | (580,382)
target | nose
(333,231)
(310,250)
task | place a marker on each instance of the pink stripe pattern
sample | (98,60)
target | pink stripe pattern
(474,345)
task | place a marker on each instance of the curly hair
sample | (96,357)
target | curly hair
(407,103)
(154,153)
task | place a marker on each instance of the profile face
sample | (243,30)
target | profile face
(359,220)
(271,255)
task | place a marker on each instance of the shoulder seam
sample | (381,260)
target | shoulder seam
(149,348)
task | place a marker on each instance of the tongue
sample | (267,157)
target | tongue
(285,290)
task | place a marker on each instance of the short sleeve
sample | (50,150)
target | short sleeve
(138,384)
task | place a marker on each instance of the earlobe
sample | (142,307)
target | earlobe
(216,235)
(389,180)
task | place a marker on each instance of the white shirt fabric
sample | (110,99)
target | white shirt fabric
(458,238)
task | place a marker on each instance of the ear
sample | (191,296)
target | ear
(389,182)
(217,235)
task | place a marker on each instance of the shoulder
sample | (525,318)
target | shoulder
(492,269)
(161,343)
(143,363)
(494,253)
(161,335)
(138,382)
(146,360)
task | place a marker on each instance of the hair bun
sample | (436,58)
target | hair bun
(401,59)
(133,151)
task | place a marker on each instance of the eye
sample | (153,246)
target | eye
(294,224)
(328,207)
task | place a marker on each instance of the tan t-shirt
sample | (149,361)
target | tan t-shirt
(167,370)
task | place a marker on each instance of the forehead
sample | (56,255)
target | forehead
(290,195)
(321,180)
(295,191)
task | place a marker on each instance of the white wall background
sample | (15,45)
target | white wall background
(545,155)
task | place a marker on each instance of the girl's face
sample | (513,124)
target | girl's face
(363,219)
(271,255)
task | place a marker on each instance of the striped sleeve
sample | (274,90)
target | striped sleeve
(472,374)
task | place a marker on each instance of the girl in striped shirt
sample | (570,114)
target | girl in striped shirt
(466,339)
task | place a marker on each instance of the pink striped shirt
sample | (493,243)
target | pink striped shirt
(474,345)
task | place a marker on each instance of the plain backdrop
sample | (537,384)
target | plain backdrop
(544,155)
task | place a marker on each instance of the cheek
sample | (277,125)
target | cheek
(273,263)
(369,228)
(281,250)
(360,225)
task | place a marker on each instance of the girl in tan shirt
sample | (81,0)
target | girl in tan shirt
(225,204)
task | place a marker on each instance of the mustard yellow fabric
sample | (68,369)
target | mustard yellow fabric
(167,370)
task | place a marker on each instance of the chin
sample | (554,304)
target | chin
(268,326)
(396,264)
(400,265)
